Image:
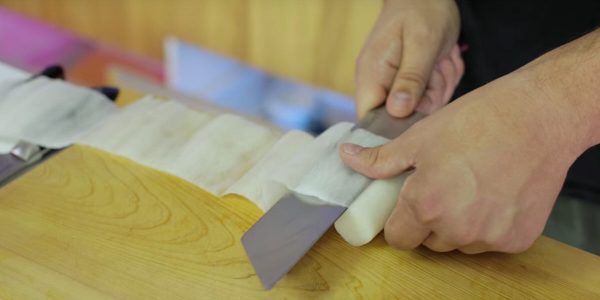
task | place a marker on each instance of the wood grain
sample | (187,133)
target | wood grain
(311,40)
(87,224)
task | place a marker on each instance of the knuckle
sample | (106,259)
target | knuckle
(492,244)
(427,209)
(365,67)
(439,247)
(367,61)
(396,236)
(412,78)
(388,64)
(467,235)
(409,194)
(372,159)
(426,33)
(421,34)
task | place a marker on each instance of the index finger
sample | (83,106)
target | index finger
(404,230)
(376,67)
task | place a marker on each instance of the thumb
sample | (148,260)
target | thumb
(410,82)
(380,162)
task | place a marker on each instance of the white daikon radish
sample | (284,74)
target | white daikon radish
(289,173)
(329,179)
(366,216)
(221,152)
(297,167)
(120,127)
(51,113)
(259,185)
(162,131)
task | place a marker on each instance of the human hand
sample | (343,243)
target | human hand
(410,60)
(489,166)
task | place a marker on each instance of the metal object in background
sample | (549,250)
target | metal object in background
(25,151)
(21,157)
(25,155)
(9,165)
(293,225)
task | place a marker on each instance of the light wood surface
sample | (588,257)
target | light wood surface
(312,40)
(87,224)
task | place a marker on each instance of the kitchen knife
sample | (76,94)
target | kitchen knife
(281,237)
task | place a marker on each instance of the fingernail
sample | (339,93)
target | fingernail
(351,149)
(400,101)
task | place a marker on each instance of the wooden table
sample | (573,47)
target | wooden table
(87,225)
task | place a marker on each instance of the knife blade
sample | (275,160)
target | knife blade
(281,237)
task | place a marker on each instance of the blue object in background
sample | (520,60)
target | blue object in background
(247,90)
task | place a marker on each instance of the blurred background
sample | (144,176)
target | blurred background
(291,62)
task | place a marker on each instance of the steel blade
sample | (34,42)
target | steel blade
(284,234)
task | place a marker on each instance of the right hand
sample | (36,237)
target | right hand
(489,166)
(410,60)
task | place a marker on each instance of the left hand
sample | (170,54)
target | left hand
(411,60)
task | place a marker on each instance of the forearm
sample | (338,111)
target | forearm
(569,78)
(590,92)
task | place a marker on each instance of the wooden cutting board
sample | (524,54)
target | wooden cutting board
(86,224)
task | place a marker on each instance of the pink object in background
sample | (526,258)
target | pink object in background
(32,45)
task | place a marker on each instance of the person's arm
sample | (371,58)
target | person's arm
(410,60)
(572,73)
(489,166)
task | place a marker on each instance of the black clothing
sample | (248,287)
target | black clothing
(502,36)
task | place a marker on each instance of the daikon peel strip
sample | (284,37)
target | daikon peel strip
(120,127)
(260,185)
(328,178)
(51,113)
(166,128)
(297,167)
(222,152)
